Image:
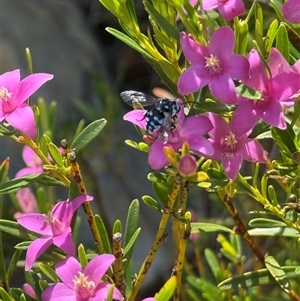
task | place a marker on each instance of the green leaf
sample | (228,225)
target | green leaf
(271,34)
(130,245)
(4,167)
(117,227)
(49,272)
(157,177)
(5,296)
(23,245)
(13,263)
(282,41)
(131,226)
(88,134)
(247,92)
(278,273)
(214,264)
(285,139)
(103,234)
(128,41)
(276,231)
(167,291)
(161,21)
(208,290)
(55,154)
(49,181)
(13,228)
(18,183)
(82,256)
(151,203)
(265,223)
(161,191)
(209,227)
(34,280)
(255,278)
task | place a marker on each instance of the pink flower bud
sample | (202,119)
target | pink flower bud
(187,165)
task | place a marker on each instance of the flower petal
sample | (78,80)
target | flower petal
(284,92)
(210,4)
(195,125)
(226,35)
(200,145)
(29,85)
(252,151)
(22,118)
(291,11)
(277,62)
(136,117)
(35,222)
(245,117)
(72,206)
(65,242)
(157,158)
(97,267)
(238,67)
(193,52)
(223,88)
(67,269)
(258,75)
(36,248)
(10,80)
(193,79)
(102,291)
(273,115)
(29,156)
(232,163)
(28,171)
(220,127)
(231,9)
(58,292)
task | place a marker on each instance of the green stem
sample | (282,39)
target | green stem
(159,239)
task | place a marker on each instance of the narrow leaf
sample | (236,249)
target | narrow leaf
(209,227)
(151,203)
(88,134)
(276,231)
(265,223)
(103,234)
(277,272)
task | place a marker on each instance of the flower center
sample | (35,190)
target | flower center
(56,225)
(6,103)
(84,289)
(213,64)
(230,142)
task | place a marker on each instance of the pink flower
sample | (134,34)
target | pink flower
(54,228)
(28,289)
(275,92)
(33,162)
(228,9)
(187,165)
(232,146)
(278,64)
(190,129)
(81,284)
(27,201)
(291,11)
(13,94)
(215,65)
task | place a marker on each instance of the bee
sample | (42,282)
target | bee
(160,113)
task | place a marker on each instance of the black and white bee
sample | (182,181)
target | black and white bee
(160,113)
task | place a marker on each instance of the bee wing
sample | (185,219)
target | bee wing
(129,97)
(165,129)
